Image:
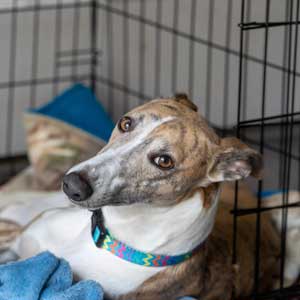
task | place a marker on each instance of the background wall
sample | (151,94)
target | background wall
(194,49)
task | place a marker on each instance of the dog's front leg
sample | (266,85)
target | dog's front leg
(155,296)
(166,289)
(191,278)
(174,294)
(164,286)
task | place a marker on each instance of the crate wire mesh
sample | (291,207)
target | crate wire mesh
(285,124)
(35,68)
(131,51)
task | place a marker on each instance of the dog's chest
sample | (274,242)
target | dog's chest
(68,234)
(116,275)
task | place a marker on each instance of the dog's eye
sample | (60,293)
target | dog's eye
(125,124)
(164,162)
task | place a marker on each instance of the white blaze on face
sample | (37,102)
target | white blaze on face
(142,135)
(106,164)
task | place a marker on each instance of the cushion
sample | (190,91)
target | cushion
(69,129)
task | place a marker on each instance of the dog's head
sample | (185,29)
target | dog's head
(157,154)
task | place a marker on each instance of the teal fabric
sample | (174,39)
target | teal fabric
(44,277)
(79,107)
(269,193)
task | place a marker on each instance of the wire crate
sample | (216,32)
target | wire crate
(237,59)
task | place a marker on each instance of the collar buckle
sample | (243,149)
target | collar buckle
(98,229)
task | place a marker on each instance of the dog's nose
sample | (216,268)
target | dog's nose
(76,187)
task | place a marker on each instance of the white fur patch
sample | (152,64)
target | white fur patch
(164,230)
(168,230)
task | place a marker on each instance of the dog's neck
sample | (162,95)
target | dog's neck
(163,230)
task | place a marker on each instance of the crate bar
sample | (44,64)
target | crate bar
(42,7)
(268,118)
(240,87)
(227,63)
(94,41)
(8,161)
(142,61)
(192,49)
(209,58)
(57,45)
(45,80)
(12,74)
(269,147)
(286,161)
(260,25)
(272,124)
(293,114)
(12,158)
(77,52)
(294,78)
(75,40)
(35,52)
(174,46)
(158,49)
(126,63)
(283,89)
(245,65)
(289,141)
(109,49)
(261,148)
(250,211)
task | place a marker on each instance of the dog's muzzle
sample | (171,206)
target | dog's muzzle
(76,187)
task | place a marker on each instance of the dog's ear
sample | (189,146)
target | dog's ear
(184,99)
(234,160)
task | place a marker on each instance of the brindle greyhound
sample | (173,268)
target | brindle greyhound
(154,193)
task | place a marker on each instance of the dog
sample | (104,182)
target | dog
(161,225)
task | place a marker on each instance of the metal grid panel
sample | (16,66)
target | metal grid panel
(34,68)
(33,65)
(286,124)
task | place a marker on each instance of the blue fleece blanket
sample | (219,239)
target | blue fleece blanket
(44,277)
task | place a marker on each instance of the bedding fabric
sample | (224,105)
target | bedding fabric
(44,277)
(79,107)
(71,128)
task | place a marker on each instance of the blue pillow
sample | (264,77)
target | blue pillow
(78,106)
(269,193)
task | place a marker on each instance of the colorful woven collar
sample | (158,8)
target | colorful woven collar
(104,240)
